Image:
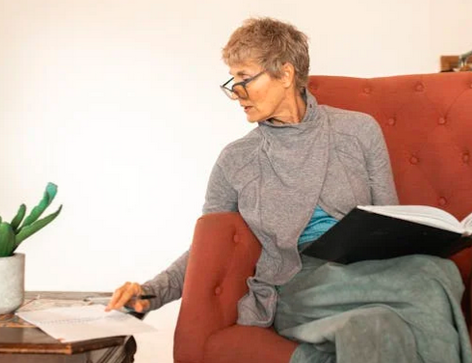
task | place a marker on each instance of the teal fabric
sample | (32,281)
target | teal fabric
(401,310)
(319,223)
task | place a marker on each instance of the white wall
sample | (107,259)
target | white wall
(118,103)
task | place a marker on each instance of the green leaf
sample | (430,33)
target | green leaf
(27,231)
(15,223)
(7,240)
(49,194)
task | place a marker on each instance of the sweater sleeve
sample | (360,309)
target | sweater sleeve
(168,285)
(381,182)
(220,195)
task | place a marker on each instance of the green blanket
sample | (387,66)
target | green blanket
(405,309)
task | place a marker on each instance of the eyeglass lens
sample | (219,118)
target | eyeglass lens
(240,91)
(235,92)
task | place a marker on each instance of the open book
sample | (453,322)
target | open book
(379,232)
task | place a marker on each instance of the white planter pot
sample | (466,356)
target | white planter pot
(12,282)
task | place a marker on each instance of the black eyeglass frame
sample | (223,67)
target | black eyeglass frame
(232,94)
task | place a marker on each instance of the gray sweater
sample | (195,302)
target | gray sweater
(275,176)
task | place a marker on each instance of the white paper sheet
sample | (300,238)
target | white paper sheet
(69,324)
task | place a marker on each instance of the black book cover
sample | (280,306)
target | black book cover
(363,235)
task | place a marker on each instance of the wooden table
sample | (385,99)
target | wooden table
(20,343)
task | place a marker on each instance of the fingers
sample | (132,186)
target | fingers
(140,305)
(123,295)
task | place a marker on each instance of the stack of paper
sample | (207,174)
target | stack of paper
(69,324)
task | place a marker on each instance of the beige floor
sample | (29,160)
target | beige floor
(157,347)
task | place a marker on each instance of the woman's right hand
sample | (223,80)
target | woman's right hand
(126,296)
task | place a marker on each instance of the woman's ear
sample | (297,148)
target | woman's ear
(288,74)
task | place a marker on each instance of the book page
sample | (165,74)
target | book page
(69,324)
(427,215)
(467,223)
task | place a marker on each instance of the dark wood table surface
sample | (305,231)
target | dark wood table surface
(22,343)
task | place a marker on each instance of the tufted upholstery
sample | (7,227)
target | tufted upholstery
(427,123)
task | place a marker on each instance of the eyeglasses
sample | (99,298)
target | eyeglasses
(238,90)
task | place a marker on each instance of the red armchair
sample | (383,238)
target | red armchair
(427,123)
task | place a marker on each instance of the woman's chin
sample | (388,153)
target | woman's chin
(253,118)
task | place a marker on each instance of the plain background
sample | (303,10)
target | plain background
(117,102)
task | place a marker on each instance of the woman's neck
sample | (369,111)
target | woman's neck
(293,111)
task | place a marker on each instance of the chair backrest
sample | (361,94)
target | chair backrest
(427,123)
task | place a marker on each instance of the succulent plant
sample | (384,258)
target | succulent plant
(15,232)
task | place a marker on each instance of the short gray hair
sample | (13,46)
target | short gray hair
(271,43)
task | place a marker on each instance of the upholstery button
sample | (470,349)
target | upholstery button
(442,201)
(414,160)
(442,121)
(419,87)
(218,290)
(236,238)
(391,121)
(465,157)
(367,90)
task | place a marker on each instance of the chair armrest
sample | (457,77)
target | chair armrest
(223,255)
(248,344)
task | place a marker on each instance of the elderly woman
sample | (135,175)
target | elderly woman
(295,175)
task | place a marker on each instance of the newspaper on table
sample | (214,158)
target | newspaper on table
(75,323)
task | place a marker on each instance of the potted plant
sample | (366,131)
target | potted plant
(12,265)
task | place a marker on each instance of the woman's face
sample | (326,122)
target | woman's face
(266,95)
